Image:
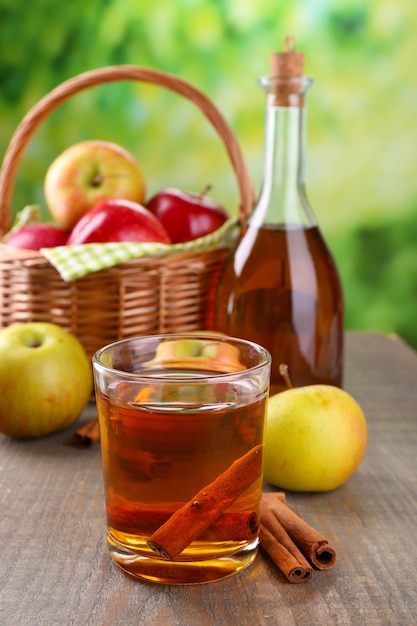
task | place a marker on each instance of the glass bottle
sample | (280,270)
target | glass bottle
(281,287)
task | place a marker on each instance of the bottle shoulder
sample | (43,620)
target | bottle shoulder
(282,249)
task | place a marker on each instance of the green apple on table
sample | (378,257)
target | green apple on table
(87,173)
(315,438)
(45,379)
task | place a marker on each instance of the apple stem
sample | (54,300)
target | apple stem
(206,190)
(283,370)
(97,180)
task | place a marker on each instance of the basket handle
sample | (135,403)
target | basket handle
(57,96)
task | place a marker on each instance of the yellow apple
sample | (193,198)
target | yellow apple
(315,438)
(46,379)
(87,173)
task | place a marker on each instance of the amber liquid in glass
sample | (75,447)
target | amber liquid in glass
(286,295)
(156,457)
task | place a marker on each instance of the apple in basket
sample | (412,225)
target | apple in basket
(37,236)
(186,215)
(87,173)
(118,220)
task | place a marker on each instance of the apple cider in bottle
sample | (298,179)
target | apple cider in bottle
(281,287)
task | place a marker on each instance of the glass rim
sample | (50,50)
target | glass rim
(303,83)
(309,80)
(223,376)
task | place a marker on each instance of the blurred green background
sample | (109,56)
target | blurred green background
(362,114)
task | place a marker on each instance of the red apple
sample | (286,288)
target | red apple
(118,220)
(186,215)
(37,236)
(87,173)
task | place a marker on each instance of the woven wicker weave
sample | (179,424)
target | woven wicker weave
(143,296)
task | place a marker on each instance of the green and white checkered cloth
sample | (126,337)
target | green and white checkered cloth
(73,262)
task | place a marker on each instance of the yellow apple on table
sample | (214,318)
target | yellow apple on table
(46,379)
(315,438)
(88,173)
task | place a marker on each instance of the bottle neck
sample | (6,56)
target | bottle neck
(283,198)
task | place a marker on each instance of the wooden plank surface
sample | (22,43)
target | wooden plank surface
(55,570)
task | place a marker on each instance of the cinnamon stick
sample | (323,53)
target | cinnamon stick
(276,494)
(197,515)
(87,434)
(233,526)
(230,526)
(282,550)
(311,542)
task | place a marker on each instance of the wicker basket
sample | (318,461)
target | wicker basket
(147,295)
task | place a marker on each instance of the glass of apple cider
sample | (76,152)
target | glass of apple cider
(181,430)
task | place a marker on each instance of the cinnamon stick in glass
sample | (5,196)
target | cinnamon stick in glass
(230,526)
(311,543)
(197,515)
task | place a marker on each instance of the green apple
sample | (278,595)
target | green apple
(176,350)
(206,353)
(45,379)
(87,173)
(315,438)
(223,356)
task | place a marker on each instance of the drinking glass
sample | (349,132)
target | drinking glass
(181,430)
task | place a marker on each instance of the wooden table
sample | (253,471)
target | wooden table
(55,570)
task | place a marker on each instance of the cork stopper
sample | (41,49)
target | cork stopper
(288,63)
(285,86)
